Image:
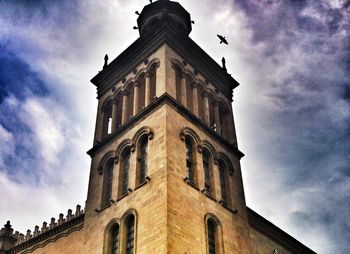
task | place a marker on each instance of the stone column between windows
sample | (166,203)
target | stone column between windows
(183,89)
(104,123)
(206,108)
(217,117)
(148,89)
(114,114)
(199,168)
(99,125)
(216,187)
(195,99)
(125,107)
(136,97)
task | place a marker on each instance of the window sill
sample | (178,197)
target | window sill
(190,183)
(206,193)
(224,205)
(148,179)
(102,208)
(122,196)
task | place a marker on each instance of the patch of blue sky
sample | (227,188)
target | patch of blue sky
(18,83)
(17,78)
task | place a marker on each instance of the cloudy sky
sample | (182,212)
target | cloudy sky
(292,109)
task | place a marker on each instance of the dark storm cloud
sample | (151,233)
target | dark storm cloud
(307,46)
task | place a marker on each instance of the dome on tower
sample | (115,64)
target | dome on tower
(168,12)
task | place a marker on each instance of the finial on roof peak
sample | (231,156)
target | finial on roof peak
(106,61)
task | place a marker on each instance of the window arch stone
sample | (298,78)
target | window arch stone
(207,145)
(121,147)
(108,244)
(140,142)
(208,164)
(214,236)
(107,185)
(140,133)
(186,131)
(130,214)
(110,154)
(225,159)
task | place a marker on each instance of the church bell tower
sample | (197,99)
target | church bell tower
(165,173)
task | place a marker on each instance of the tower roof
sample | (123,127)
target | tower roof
(158,11)
(164,22)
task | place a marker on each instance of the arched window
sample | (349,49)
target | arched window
(207,171)
(190,161)
(142,160)
(211,237)
(223,182)
(124,173)
(107,182)
(114,243)
(153,72)
(130,234)
(178,75)
(214,235)
(107,118)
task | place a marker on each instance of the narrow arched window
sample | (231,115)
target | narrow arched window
(189,161)
(107,119)
(114,243)
(142,160)
(124,173)
(211,236)
(215,243)
(107,182)
(207,171)
(130,234)
(223,182)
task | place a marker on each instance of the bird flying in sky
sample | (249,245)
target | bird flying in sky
(222,39)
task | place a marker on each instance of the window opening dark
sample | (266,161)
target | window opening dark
(223,185)
(125,173)
(143,160)
(189,161)
(206,167)
(130,229)
(115,240)
(211,237)
(108,181)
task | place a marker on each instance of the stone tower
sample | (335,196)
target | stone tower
(165,151)
(165,175)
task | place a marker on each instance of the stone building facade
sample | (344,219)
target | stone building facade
(165,173)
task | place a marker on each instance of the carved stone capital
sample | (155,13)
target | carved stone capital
(114,100)
(137,83)
(182,75)
(125,93)
(194,85)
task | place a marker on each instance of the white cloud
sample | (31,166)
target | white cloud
(47,122)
